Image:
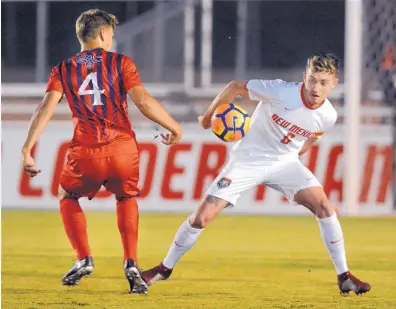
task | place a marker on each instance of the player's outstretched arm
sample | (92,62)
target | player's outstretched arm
(228,94)
(307,145)
(154,111)
(39,120)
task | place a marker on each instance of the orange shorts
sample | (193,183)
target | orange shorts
(88,168)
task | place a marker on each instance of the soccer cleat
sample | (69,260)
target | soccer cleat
(347,282)
(159,272)
(132,273)
(80,268)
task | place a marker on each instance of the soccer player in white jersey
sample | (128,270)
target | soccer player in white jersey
(289,118)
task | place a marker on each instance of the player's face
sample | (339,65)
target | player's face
(318,85)
(106,35)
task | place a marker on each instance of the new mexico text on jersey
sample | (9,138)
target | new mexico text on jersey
(283,120)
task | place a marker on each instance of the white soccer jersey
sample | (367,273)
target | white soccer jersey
(282,120)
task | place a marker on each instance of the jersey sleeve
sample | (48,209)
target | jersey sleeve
(328,123)
(260,89)
(130,74)
(54,81)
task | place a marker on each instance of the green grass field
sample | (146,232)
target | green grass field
(239,262)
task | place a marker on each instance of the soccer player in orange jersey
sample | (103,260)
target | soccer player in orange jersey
(103,150)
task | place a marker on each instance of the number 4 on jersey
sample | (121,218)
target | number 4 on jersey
(95,91)
(287,138)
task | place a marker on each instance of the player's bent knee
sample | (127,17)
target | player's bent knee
(120,198)
(124,198)
(324,209)
(207,211)
(316,201)
(200,221)
(63,194)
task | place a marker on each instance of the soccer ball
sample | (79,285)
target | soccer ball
(230,122)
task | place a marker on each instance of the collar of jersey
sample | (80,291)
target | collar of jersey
(90,50)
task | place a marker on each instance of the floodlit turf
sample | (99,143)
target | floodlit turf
(239,262)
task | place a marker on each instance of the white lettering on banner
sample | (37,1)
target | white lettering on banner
(175,178)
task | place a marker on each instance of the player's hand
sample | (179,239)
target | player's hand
(170,138)
(29,165)
(337,210)
(205,121)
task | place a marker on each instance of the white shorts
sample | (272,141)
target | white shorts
(288,177)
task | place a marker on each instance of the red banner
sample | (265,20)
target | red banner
(178,176)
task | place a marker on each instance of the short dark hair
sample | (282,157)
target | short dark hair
(323,62)
(89,22)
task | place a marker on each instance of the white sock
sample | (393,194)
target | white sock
(332,236)
(184,239)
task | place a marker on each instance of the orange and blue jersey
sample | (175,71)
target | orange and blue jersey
(95,83)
